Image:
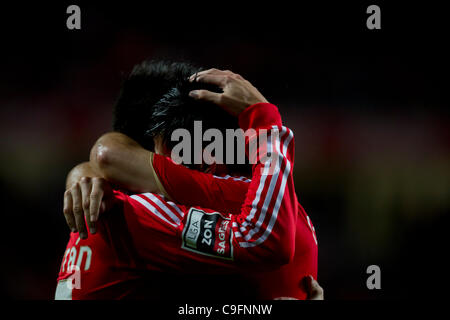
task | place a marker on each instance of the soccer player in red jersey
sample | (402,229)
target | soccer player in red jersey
(270,231)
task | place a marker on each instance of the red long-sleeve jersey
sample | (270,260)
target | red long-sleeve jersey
(268,237)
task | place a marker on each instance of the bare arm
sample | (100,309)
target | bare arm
(122,161)
(87,195)
(114,158)
(84,169)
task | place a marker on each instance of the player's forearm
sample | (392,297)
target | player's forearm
(265,229)
(84,169)
(266,225)
(122,161)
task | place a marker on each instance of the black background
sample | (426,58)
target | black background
(316,62)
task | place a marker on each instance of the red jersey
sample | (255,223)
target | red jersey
(256,228)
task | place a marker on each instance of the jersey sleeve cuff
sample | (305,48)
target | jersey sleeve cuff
(259,115)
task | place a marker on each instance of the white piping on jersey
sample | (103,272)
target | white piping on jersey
(262,183)
(269,194)
(280,196)
(313,231)
(162,206)
(176,208)
(151,208)
(234,178)
(258,192)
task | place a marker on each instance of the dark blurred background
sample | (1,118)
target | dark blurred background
(369,109)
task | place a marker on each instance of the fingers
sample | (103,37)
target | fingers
(77,208)
(86,186)
(214,74)
(96,198)
(83,203)
(206,95)
(314,290)
(210,77)
(237,92)
(218,80)
(212,71)
(68,213)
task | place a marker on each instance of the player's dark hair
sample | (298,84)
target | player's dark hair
(141,90)
(154,101)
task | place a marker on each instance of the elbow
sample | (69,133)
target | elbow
(284,255)
(288,255)
(271,256)
(276,259)
(284,250)
(103,157)
(276,256)
(103,154)
(284,240)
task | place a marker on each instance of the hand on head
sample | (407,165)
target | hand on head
(238,94)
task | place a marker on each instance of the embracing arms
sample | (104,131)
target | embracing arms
(270,207)
(114,158)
